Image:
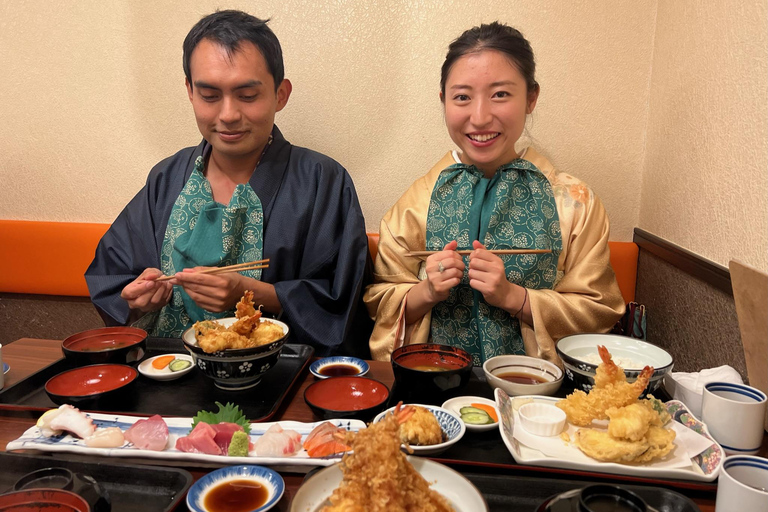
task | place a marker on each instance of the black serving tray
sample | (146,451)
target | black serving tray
(526,494)
(181,397)
(130,487)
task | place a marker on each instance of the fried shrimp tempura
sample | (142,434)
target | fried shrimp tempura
(377,477)
(611,390)
(421,429)
(247,332)
(631,422)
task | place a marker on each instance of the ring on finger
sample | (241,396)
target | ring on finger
(440,267)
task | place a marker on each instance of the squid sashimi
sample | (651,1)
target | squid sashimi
(148,434)
(200,440)
(324,441)
(110,437)
(68,418)
(277,442)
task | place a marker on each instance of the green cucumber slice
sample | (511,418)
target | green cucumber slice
(467,410)
(474,418)
(179,364)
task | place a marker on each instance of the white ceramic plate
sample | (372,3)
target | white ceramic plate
(146,368)
(449,421)
(455,404)
(33,439)
(462,494)
(704,467)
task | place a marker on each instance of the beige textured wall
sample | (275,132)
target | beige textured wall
(705,185)
(92,94)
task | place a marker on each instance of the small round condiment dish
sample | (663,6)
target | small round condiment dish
(595,498)
(450,423)
(236,369)
(81,484)
(346,397)
(44,500)
(90,383)
(580,359)
(146,369)
(542,419)
(107,345)
(523,375)
(454,405)
(431,372)
(338,366)
(6,368)
(270,481)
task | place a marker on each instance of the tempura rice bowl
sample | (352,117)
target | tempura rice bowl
(577,351)
(235,369)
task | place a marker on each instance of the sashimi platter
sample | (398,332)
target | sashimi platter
(224,437)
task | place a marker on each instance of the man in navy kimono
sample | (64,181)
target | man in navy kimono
(244,193)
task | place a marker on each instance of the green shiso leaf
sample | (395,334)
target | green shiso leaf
(229,413)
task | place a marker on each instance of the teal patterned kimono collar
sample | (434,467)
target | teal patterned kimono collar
(202,232)
(513,209)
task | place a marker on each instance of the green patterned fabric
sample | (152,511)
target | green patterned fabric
(202,232)
(514,209)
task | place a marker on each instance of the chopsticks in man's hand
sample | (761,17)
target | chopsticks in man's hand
(250,265)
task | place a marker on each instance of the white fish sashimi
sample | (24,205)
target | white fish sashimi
(66,418)
(277,442)
(110,437)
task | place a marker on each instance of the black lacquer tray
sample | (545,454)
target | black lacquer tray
(182,397)
(130,487)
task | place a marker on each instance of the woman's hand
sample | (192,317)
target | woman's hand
(145,294)
(444,271)
(488,276)
(220,292)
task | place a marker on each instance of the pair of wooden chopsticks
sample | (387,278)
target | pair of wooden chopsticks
(250,265)
(465,252)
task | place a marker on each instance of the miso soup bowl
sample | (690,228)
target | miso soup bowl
(431,372)
(107,345)
(545,377)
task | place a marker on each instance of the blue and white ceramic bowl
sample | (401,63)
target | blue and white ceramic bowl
(451,424)
(337,363)
(580,359)
(267,478)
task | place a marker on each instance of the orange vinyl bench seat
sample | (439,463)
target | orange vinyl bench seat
(623,260)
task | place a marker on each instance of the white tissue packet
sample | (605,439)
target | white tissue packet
(689,387)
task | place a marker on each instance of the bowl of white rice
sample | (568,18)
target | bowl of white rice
(580,358)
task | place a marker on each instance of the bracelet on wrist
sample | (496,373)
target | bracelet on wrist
(525,299)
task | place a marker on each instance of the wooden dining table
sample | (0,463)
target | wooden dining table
(27,356)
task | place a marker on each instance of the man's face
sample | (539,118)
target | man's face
(234,99)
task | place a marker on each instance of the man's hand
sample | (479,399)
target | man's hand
(220,292)
(145,294)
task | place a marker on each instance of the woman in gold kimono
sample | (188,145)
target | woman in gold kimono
(487,197)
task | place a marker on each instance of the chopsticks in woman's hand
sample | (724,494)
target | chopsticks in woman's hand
(493,251)
(239,267)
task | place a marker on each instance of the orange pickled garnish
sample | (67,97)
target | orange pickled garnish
(162,362)
(487,408)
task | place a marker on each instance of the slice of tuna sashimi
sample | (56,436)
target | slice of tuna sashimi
(148,434)
(200,440)
(224,431)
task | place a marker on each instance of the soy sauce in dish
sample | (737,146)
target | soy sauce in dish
(338,370)
(609,504)
(521,378)
(236,496)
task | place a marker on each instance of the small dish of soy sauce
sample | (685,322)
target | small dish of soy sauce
(338,366)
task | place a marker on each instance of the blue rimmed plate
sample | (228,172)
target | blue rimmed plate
(6,368)
(452,426)
(265,477)
(338,366)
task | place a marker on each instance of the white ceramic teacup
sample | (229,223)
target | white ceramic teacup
(743,484)
(734,416)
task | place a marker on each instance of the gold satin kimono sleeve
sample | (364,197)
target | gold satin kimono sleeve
(585,299)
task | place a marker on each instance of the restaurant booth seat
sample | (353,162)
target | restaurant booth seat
(43,292)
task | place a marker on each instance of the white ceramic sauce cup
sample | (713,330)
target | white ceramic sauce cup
(743,484)
(734,415)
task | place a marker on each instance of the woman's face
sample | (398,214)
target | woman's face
(486,101)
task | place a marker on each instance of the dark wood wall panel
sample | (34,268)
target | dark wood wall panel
(45,316)
(691,311)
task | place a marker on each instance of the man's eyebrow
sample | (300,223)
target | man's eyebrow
(249,83)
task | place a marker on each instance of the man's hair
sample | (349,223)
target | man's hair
(229,29)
